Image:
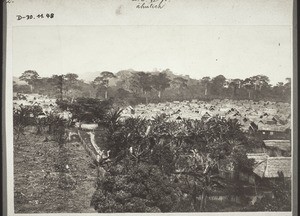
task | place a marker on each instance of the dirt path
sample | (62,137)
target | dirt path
(95,146)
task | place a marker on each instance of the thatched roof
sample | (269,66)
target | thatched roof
(278,164)
(269,167)
(284,145)
(258,157)
(276,128)
(228,109)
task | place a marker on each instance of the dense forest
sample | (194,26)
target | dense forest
(133,87)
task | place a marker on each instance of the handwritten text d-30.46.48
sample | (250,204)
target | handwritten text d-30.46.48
(38,16)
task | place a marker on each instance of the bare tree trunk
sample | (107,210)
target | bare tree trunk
(61,95)
(205,93)
(61,87)
(249,94)
(146,96)
(105,94)
(234,91)
(203,200)
(195,201)
(159,94)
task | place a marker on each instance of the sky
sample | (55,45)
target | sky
(235,51)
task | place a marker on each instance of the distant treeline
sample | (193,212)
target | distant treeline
(133,87)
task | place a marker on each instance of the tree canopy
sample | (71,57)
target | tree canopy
(157,86)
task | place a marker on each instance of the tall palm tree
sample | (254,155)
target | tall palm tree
(103,81)
(206,81)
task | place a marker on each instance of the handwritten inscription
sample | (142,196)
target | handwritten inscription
(150,4)
(38,16)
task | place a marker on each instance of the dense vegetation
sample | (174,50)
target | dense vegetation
(132,87)
(156,165)
(159,166)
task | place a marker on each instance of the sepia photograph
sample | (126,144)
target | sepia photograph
(153,118)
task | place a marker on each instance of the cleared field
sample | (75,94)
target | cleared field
(52,178)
